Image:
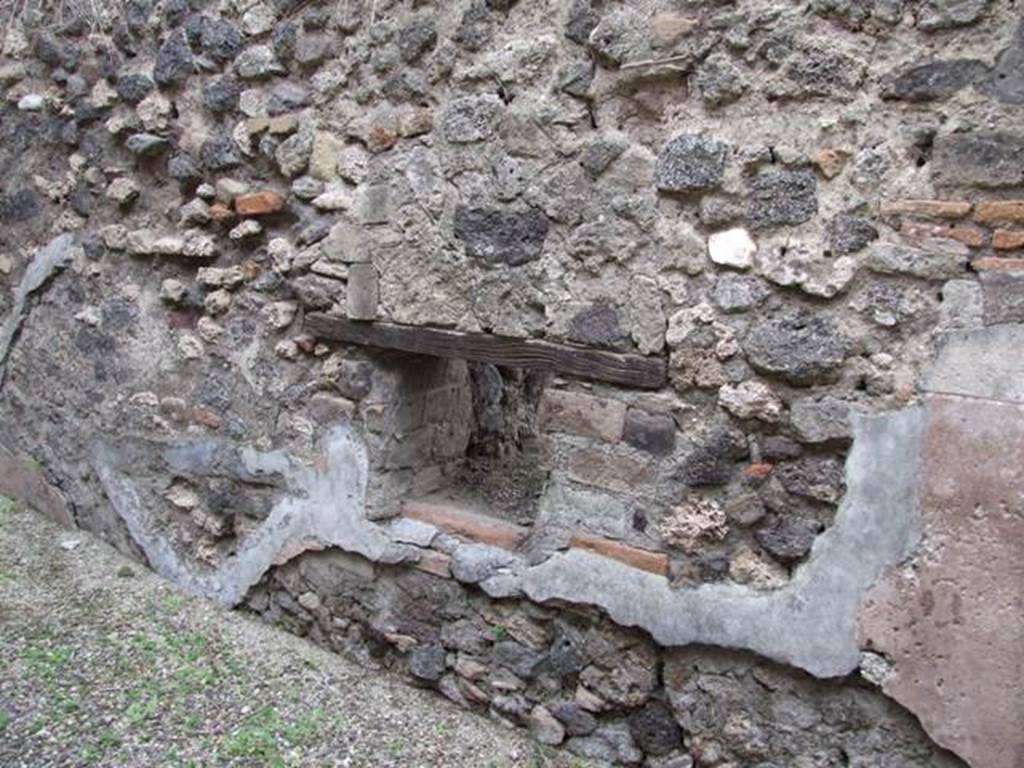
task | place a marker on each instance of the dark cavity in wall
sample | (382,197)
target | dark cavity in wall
(504,467)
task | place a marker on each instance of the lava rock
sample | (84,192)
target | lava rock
(501,237)
(798,347)
(713,459)
(219,153)
(581,18)
(184,168)
(654,729)
(787,539)
(653,433)
(427,662)
(174,61)
(220,95)
(416,39)
(471,118)
(850,234)
(287,97)
(577,721)
(217,38)
(517,659)
(691,163)
(134,88)
(935,80)
(597,325)
(779,198)
(738,293)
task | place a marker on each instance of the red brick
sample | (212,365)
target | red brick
(759,471)
(466,524)
(221,213)
(930,209)
(652,562)
(584,415)
(435,563)
(999,210)
(206,417)
(997,264)
(971,236)
(1007,240)
(259,203)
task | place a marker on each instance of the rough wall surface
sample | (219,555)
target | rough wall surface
(792,207)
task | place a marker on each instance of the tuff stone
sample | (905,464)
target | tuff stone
(174,62)
(471,118)
(850,234)
(787,539)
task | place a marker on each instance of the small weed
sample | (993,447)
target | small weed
(6,509)
(46,661)
(4,720)
(172,603)
(498,632)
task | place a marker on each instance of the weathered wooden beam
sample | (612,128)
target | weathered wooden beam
(628,370)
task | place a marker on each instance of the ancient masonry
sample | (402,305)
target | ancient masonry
(648,373)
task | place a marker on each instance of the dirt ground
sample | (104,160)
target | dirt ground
(104,663)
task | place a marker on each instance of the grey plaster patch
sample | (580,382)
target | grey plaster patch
(327,505)
(50,259)
(985,363)
(811,622)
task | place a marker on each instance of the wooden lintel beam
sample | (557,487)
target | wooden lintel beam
(626,370)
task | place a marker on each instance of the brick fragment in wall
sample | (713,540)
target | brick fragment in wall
(969,236)
(999,211)
(1007,239)
(579,414)
(466,523)
(934,209)
(998,264)
(654,562)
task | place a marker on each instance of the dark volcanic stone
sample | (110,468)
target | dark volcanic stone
(517,659)
(426,662)
(577,721)
(220,153)
(581,18)
(221,94)
(849,234)
(654,433)
(184,168)
(219,39)
(787,539)
(713,460)
(691,163)
(19,206)
(501,237)
(134,88)
(800,348)
(474,30)
(1006,80)
(287,97)
(146,144)
(779,198)
(934,80)
(597,325)
(174,62)
(416,39)
(655,730)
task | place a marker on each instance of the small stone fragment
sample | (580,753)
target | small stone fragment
(258,203)
(732,248)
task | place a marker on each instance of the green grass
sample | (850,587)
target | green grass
(7,509)
(264,735)
(4,720)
